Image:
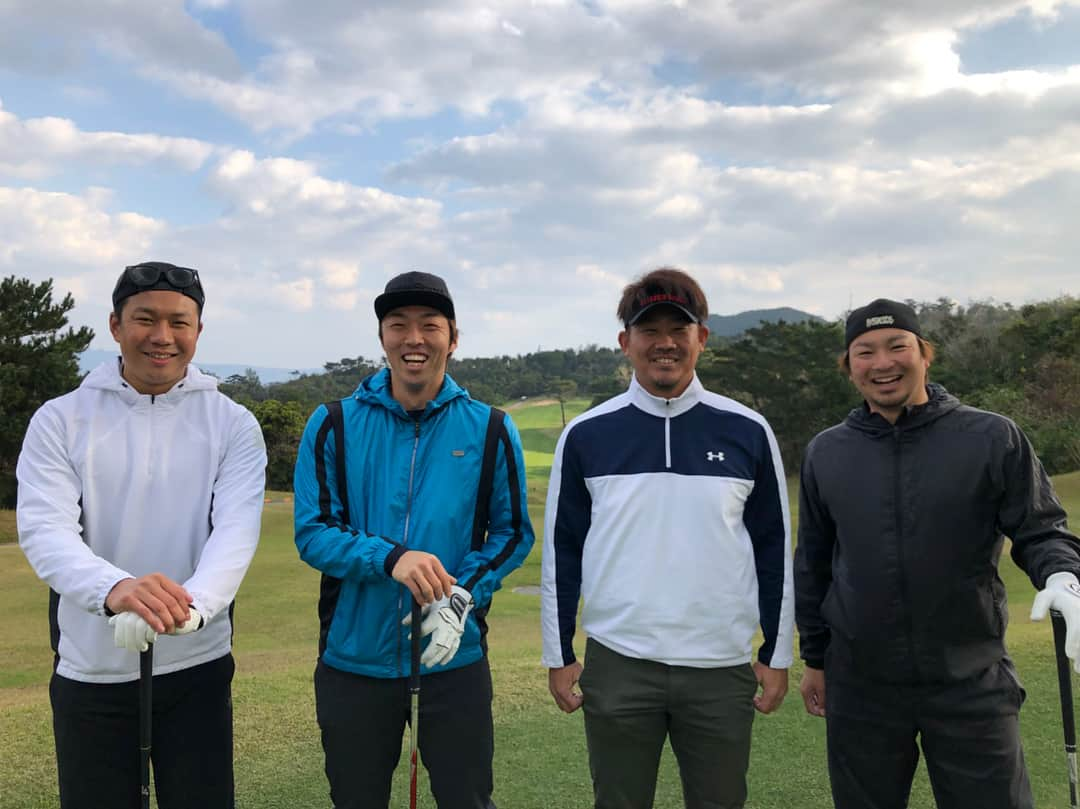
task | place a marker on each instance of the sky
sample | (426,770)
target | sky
(537,154)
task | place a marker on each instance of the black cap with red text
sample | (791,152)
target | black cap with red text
(665,294)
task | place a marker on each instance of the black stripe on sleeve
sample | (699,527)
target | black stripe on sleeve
(763,516)
(487,476)
(512,483)
(325,504)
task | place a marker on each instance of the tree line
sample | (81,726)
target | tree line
(1023,362)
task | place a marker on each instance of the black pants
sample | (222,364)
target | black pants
(968,730)
(96,726)
(362,720)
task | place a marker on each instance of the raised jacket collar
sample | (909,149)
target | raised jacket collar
(666,408)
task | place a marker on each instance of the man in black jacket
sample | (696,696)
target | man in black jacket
(902,512)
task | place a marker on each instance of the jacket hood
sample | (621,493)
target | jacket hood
(375,389)
(941,402)
(107,377)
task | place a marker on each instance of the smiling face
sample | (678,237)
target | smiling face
(889,370)
(157,332)
(664,346)
(417,341)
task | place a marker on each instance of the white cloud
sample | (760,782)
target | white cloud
(338,274)
(272,187)
(298,295)
(786,153)
(58,229)
(39,147)
(680,206)
(47,39)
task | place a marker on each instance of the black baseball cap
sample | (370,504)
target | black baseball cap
(150,275)
(665,294)
(880,314)
(415,289)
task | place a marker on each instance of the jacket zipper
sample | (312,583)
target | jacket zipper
(899,503)
(405,535)
(149,441)
(667,432)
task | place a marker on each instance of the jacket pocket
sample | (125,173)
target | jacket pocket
(839,608)
(975,610)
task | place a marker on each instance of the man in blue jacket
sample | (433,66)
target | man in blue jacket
(392,505)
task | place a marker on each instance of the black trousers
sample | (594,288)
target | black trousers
(96,726)
(362,720)
(968,730)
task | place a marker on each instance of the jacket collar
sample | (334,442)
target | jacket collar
(659,406)
(940,403)
(107,376)
(375,389)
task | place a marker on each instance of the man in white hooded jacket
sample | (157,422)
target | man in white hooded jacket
(140,499)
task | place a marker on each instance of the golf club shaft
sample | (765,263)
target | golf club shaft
(1068,721)
(414,700)
(146,721)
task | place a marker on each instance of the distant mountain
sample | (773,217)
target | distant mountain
(734,325)
(93,357)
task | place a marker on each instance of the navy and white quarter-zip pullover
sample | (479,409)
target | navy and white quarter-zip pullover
(669,517)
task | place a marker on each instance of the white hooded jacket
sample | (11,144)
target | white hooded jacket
(116,484)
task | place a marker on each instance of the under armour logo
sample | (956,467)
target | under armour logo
(714,456)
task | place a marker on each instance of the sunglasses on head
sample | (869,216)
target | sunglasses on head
(146,275)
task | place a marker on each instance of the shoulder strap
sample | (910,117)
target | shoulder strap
(337,423)
(487,477)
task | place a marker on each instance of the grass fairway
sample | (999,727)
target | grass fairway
(540,758)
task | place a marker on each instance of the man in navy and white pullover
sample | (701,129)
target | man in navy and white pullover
(667,513)
(140,499)
(392,505)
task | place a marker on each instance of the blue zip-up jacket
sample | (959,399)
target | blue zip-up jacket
(411,485)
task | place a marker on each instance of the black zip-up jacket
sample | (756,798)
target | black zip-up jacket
(900,531)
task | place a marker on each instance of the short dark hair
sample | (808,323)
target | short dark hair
(664,282)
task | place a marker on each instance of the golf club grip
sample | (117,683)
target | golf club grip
(146,722)
(414,668)
(414,699)
(1068,720)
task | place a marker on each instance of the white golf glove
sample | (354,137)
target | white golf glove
(131,632)
(191,624)
(444,620)
(1062,593)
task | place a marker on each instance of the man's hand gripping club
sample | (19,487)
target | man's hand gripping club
(1062,593)
(131,632)
(444,620)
